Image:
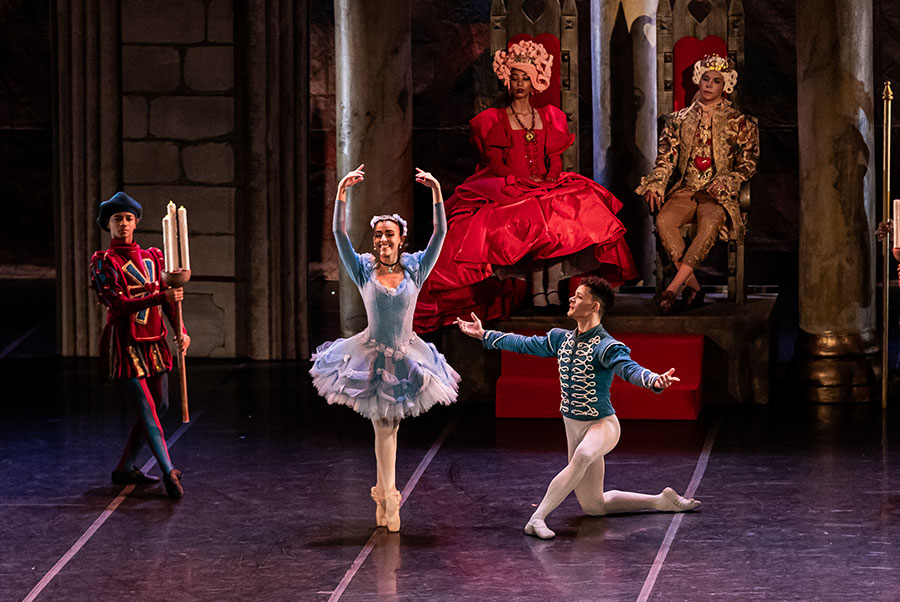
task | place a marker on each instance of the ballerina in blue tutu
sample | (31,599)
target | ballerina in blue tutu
(386,372)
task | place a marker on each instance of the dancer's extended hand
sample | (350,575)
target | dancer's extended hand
(474,328)
(351,179)
(666,379)
(425,178)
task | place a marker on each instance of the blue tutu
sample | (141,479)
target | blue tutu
(382,382)
(385,371)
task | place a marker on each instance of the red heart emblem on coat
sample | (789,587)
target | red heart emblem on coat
(702,163)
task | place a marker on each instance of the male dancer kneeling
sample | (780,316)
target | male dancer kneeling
(588,358)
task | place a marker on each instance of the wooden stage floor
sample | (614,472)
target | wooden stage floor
(799,503)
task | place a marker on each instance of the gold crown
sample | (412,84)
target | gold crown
(521,58)
(716,63)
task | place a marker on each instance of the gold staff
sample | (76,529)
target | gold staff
(887,96)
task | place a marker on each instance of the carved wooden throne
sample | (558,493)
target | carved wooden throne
(685,32)
(553,23)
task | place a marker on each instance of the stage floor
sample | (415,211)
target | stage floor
(798,503)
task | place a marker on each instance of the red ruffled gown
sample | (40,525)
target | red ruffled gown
(508,218)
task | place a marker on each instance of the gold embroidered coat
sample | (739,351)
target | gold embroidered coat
(735,145)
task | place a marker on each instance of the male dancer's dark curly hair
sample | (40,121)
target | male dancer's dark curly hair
(600,290)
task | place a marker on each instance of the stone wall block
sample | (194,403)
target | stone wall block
(150,69)
(220,21)
(150,162)
(163,21)
(209,68)
(210,208)
(134,116)
(209,163)
(210,255)
(191,117)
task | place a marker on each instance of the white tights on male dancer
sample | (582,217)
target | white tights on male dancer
(588,443)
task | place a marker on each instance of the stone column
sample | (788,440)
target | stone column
(273,252)
(837,342)
(602,16)
(619,163)
(373,76)
(88,158)
(641,17)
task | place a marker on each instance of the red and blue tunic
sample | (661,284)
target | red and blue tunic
(127,280)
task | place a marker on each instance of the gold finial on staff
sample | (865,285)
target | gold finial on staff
(887,95)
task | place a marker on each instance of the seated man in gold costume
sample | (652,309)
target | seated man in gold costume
(706,152)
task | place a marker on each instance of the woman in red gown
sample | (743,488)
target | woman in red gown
(520,213)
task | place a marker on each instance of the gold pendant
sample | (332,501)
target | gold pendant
(529,136)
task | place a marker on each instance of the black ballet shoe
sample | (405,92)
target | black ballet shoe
(173,484)
(539,309)
(693,297)
(555,307)
(132,477)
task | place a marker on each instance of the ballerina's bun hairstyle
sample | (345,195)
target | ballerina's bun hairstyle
(527,56)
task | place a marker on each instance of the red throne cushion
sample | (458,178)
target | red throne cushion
(687,51)
(528,386)
(553,94)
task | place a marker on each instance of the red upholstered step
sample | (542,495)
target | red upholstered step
(528,386)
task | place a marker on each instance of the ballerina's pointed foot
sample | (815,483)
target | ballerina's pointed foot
(672,502)
(380,513)
(538,528)
(392,510)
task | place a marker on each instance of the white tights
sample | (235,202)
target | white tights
(588,442)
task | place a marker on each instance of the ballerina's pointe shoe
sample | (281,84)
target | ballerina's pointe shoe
(538,528)
(672,502)
(380,515)
(392,510)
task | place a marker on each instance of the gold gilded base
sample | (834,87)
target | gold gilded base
(838,368)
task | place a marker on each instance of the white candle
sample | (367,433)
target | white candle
(896,222)
(183,238)
(172,238)
(167,249)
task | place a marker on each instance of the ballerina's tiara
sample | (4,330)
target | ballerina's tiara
(390,218)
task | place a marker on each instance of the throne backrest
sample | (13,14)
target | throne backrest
(686,31)
(553,23)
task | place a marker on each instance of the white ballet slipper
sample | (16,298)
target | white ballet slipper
(538,528)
